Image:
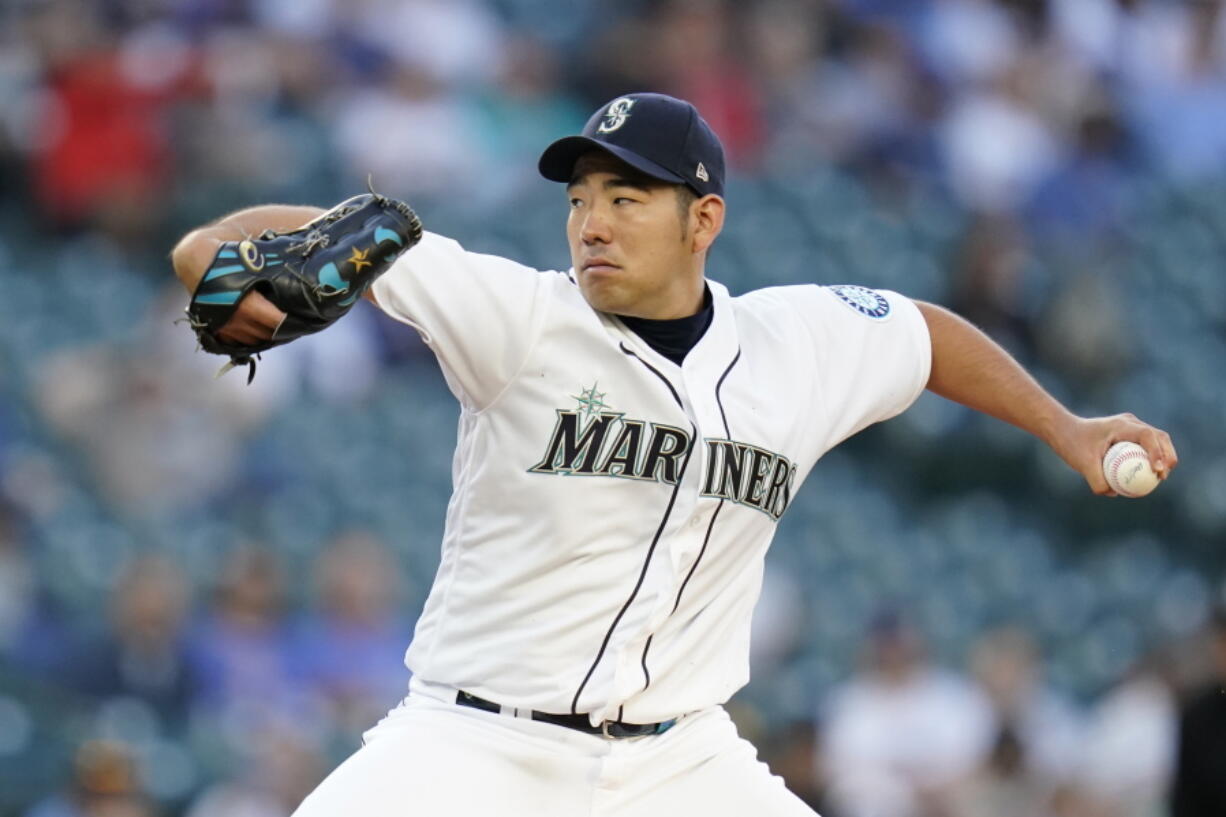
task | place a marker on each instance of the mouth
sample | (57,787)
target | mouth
(599,265)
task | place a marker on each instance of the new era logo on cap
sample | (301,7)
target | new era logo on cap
(660,135)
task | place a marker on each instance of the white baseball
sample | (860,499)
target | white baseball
(1128,471)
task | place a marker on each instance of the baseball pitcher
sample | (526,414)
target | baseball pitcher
(630,435)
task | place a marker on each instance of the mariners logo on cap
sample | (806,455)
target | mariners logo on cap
(867,302)
(616,114)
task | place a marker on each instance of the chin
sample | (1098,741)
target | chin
(604,298)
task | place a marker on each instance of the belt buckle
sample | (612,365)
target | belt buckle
(604,729)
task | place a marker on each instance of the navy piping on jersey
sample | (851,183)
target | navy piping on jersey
(719,401)
(706,540)
(715,514)
(672,499)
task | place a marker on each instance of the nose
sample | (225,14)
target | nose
(595,228)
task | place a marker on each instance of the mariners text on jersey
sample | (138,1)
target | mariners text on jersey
(610,445)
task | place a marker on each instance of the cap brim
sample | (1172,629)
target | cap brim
(558,161)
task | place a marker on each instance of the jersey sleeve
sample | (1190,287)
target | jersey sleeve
(479,314)
(873,355)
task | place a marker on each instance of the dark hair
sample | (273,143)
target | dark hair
(686,196)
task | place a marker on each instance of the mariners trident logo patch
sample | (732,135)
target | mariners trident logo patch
(616,114)
(590,401)
(868,302)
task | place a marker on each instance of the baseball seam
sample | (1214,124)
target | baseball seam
(1115,470)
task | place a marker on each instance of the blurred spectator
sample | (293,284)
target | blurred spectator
(262,129)
(34,637)
(1082,330)
(158,432)
(1005,785)
(17,582)
(351,649)
(996,147)
(614,58)
(1128,755)
(103,784)
(691,41)
(101,155)
(794,752)
(145,655)
(776,628)
(1083,198)
(240,650)
(304,20)
(341,366)
(1039,734)
(189,378)
(968,42)
(1175,64)
(1199,789)
(989,286)
(149,450)
(1089,31)
(865,105)
(407,133)
(277,769)
(522,110)
(901,733)
(410,127)
(784,40)
(456,44)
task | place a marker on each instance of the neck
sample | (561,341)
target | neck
(693,307)
(688,301)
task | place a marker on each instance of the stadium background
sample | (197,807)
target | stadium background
(206,588)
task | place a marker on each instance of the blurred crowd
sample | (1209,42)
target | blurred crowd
(202,606)
(245,685)
(906,736)
(236,704)
(123,115)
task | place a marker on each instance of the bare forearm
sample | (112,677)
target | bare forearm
(970,368)
(192,255)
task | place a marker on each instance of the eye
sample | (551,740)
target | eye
(575,202)
(624,200)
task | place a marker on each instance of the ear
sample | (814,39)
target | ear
(706,219)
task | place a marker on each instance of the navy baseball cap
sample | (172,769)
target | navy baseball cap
(660,135)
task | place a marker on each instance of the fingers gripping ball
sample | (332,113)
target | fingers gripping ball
(314,274)
(1127,469)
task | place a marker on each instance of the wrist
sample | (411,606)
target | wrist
(191,258)
(1058,429)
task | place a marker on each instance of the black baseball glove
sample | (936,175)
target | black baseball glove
(314,274)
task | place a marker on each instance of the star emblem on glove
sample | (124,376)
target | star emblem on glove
(358,259)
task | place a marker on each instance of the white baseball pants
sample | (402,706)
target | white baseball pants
(433,758)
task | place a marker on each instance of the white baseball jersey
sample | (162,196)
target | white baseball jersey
(611,510)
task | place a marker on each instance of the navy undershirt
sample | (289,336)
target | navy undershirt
(676,337)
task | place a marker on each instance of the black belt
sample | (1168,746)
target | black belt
(581,723)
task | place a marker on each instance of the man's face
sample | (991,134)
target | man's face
(628,242)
